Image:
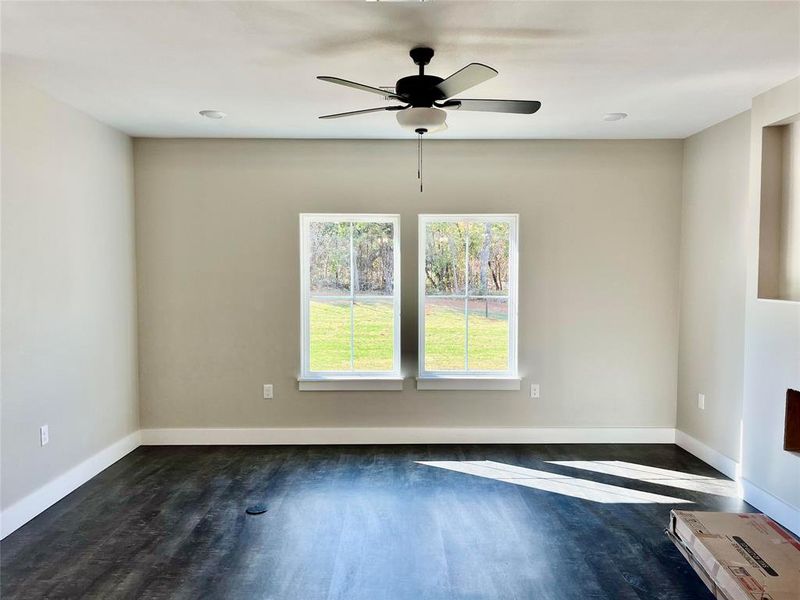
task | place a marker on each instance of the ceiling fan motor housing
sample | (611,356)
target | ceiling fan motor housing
(421,90)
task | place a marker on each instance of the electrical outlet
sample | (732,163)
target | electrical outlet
(267,391)
(701,401)
(534,390)
(44,435)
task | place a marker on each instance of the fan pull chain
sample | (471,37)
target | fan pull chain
(419,166)
(419,156)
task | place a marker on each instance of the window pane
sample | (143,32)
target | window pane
(445,332)
(329,266)
(488,334)
(488,259)
(373,335)
(329,339)
(445,262)
(373,243)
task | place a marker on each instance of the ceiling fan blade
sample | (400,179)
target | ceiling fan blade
(362,112)
(469,76)
(359,86)
(522,107)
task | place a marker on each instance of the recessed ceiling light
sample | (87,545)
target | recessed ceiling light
(614,116)
(213,114)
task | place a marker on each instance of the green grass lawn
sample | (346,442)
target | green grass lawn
(372,324)
(444,338)
(330,336)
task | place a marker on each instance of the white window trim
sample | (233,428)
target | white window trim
(351,384)
(347,380)
(463,380)
(454,382)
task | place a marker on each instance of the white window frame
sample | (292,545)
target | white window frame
(347,380)
(467,379)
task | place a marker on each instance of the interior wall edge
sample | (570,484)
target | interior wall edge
(713,244)
(772,338)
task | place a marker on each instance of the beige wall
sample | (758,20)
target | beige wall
(772,347)
(68,289)
(217,252)
(716,166)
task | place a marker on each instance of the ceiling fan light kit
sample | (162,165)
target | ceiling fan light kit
(418,117)
(426,98)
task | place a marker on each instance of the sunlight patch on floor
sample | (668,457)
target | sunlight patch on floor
(552,482)
(676,479)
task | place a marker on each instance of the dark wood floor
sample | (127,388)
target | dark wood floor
(355,522)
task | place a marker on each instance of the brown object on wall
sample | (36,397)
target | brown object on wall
(791,437)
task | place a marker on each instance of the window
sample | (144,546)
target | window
(350,297)
(468,296)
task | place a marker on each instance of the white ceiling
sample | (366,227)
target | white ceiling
(148,67)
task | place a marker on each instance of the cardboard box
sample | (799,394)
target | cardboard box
(744,556)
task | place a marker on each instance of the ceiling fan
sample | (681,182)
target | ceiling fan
(426,98)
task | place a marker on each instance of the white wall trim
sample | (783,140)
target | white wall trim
(469,383)
(22,511)
(783,512)
(708,455)
(25,509)
(412,435)
(350,384)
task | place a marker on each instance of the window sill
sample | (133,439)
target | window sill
(778,300)
(469,383)
(351,384)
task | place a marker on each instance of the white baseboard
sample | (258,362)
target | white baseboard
(25,509)
(412,435)
(719,461)
(22,511)
(783,512)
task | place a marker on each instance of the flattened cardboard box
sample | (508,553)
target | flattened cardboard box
(739,556)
